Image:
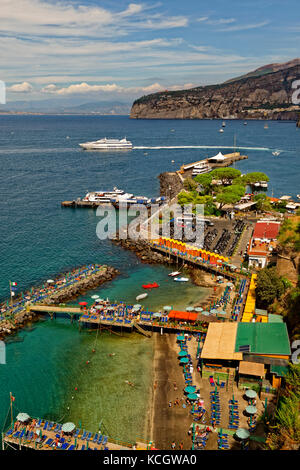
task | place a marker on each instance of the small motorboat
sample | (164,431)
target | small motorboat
(181,279)
(221,130)
(152,285)
(276,153)
(174,273)
(141,296)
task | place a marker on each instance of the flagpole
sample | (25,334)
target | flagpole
(11,410)
(11,297)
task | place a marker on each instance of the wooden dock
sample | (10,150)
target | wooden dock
(42,435)
(230,158)
(195,262)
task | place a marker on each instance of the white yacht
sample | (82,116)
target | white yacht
(201,168)
(108,144)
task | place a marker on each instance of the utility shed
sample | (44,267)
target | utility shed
(264,339)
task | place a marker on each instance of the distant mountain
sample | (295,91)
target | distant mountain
(265,93)
(53,106)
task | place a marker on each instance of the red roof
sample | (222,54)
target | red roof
(267,230)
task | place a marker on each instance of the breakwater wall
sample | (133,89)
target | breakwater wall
(66,287)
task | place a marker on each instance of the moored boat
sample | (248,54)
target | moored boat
(181,279)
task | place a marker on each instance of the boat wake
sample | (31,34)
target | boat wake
(263,149)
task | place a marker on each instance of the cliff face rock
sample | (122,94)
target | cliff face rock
(170,184)
(267,96)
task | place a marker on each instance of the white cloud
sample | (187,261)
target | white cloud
(47,18)
(24,87)
(245,27)
(85,88)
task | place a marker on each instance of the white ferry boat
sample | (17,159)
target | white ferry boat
(200,168)
(103,196)
(108,144)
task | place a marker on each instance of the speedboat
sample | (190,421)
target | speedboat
(141,296)
(107,144)
(181,279)
(150,285)
(174,273)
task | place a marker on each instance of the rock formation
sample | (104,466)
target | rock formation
(262,94)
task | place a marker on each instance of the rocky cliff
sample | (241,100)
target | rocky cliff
(264,94)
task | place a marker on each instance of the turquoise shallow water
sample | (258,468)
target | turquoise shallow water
(40,167)
(43,371)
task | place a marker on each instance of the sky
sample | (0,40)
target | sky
(120,50)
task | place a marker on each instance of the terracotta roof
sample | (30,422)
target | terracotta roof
(266,230)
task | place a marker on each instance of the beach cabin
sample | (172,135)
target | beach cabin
(254,355)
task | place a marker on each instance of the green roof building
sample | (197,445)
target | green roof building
(263,339)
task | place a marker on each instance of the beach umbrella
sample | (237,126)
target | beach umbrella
(214,311)
(82,303)
(95,296)
(167,308)
(242,433)
(22,417)
(68,427)
(189,309)
(137,306)
(230,284)
(222,312)
(50,281)
(184,360)
(198,309)
(190,389)
(182,354)
(99,300)
(251,410)
(192,396)
(205,313)
(157,314)
(250,393)
(180,338)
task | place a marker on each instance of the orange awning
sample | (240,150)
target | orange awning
(179,315)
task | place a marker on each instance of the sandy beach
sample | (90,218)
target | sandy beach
(168,423)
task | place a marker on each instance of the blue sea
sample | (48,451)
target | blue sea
(42,165)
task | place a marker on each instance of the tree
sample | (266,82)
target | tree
(204,180)
(262,202)
(189,184)
(254,177)
(230,195)
(269,287)
(225,174)
(185,198)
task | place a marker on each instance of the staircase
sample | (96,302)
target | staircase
(142,331)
